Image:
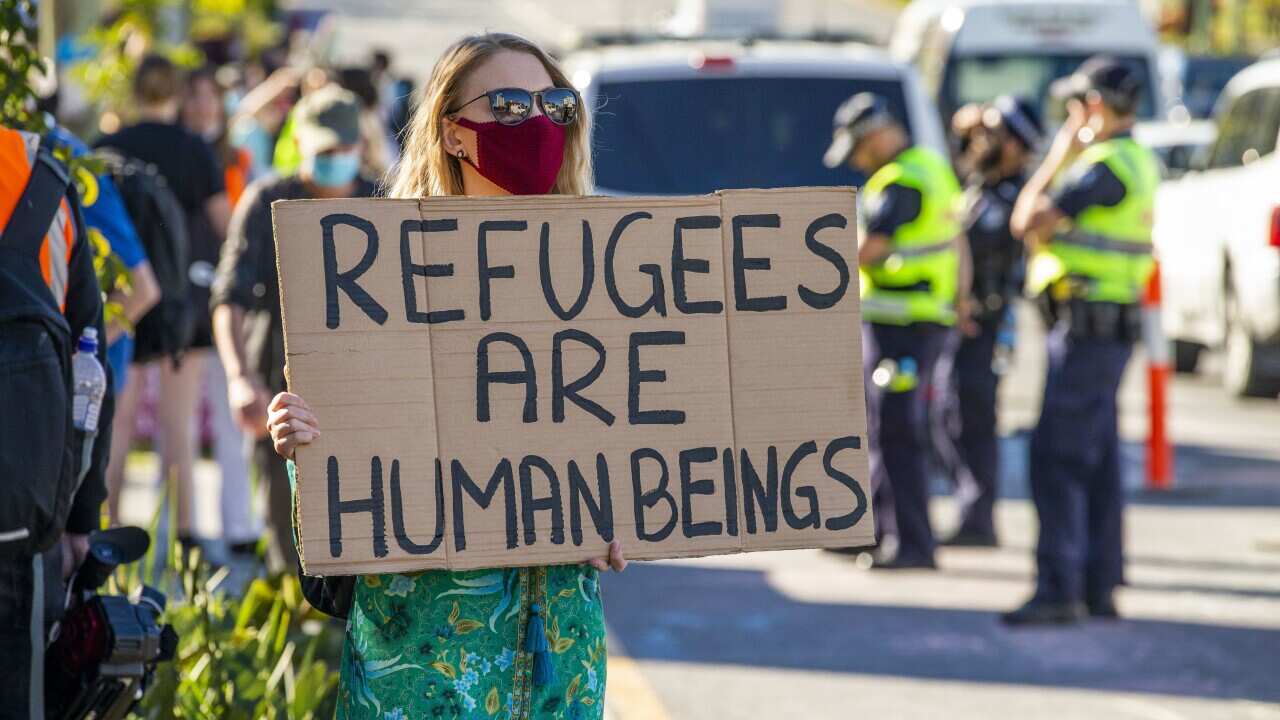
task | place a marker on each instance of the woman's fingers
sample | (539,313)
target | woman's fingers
(286,444)
(292,426)
(288,399)
(276,417)
(616,560)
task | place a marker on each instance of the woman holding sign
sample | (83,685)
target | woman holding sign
(499,117)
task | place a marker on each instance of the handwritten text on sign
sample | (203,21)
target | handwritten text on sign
(518,381)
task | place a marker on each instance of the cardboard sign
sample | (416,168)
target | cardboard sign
(519,381)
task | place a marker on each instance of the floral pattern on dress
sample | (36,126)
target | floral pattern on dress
(449,644)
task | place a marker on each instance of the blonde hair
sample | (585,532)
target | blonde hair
(427,168)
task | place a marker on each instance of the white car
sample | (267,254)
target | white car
(973,50)
(693,116)
(1217,235)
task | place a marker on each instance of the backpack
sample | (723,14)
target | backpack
(158,217)
(39,445)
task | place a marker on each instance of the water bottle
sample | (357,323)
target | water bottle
(89,382)
(1006,336)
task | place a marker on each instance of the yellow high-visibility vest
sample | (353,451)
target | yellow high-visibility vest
(1106,255)
(916,282)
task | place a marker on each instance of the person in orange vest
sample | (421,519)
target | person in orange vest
(49,504)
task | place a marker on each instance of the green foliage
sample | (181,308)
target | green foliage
(140,27)
(118,47)
(19,60)
(248,20)
(265,654)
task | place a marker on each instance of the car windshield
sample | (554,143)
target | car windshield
(1203,80)
(696,136)
(980,78)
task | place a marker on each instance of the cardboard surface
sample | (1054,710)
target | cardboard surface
(517,381)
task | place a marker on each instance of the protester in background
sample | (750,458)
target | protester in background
(910,274)
(193,174)
(385,84)
(203,113)
(285,158)
(401,113)
(105,214)
(481,99)
(1000,148)
(261,114)
(246,297)
(377,154)
(49,503)
(1086,218)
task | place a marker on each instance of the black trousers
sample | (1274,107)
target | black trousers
(31,593)
(273,471)
(897,429)
(1075,470)
(975,386)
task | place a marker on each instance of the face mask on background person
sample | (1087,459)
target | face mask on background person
(522,159)
(332,169)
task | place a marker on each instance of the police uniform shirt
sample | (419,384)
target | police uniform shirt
(896,206)
(995,251)
(1089,186)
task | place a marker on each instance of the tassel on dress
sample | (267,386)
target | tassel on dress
(535,642)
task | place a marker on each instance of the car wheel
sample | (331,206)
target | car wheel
(1242,374)
(1186,356)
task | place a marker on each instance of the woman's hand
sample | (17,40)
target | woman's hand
(291,423)
(614,561)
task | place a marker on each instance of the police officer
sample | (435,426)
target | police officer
(1085,216)
(909,275)
(999,150)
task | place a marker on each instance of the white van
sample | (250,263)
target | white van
(685,117)
(973,50)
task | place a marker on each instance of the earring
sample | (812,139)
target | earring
(462,154)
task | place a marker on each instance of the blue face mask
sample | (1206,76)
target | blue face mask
(334,169)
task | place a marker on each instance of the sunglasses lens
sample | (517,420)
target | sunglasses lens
(560,105)
(510,106)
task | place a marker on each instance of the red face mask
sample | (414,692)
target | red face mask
(522,159)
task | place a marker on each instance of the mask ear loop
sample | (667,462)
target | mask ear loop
(462,153)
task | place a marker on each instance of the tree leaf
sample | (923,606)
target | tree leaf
(465,626)
(573,688)
(457,610)
(445,669)
(562,644)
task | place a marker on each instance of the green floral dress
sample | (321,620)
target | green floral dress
(442,644)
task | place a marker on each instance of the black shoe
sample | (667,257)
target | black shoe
(970,538)
(856,550)
(1103,608)
(246,549)
(1044,612)
(903,563)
